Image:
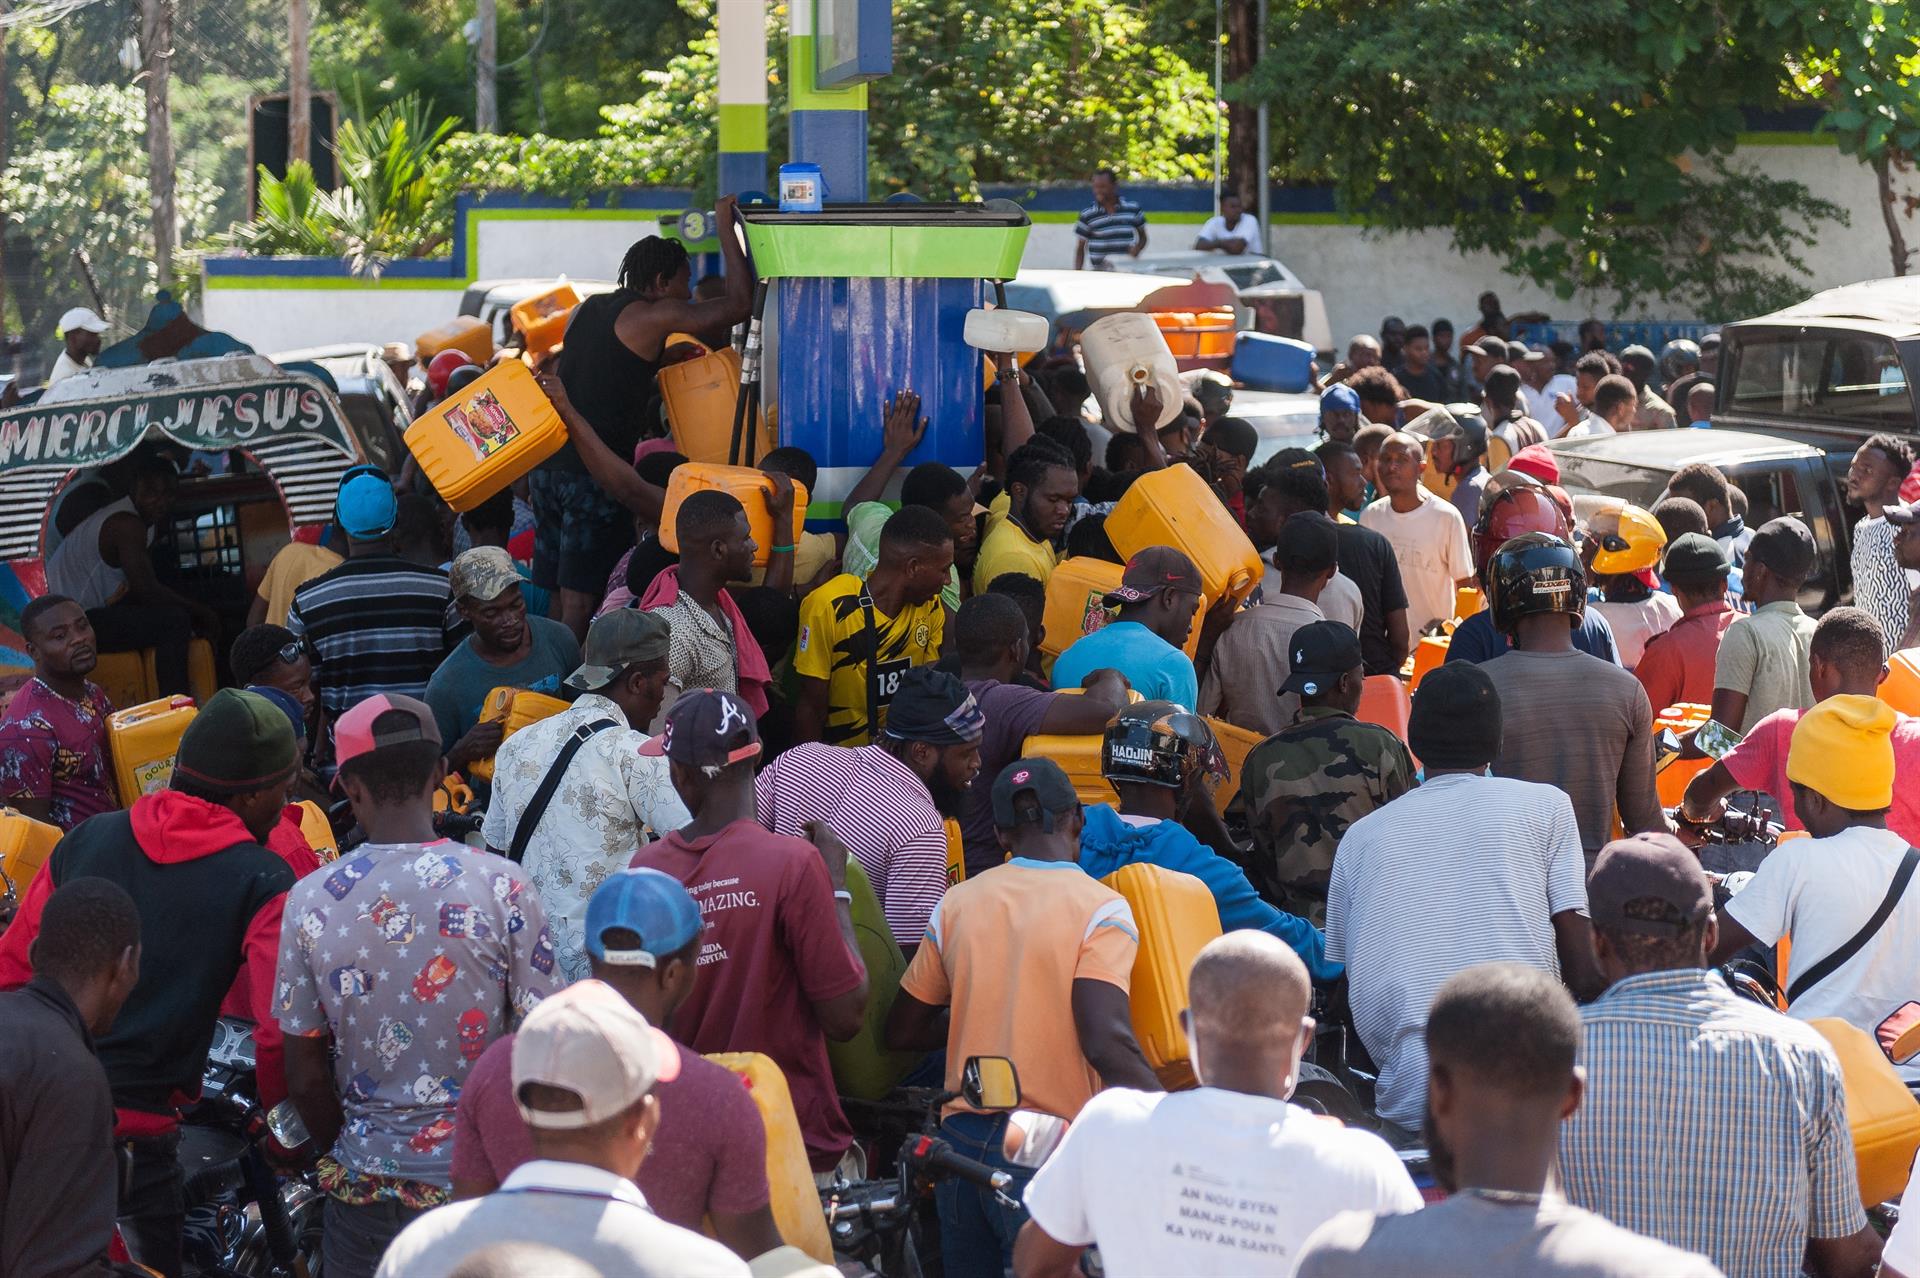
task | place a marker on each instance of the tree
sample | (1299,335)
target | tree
(1589,145)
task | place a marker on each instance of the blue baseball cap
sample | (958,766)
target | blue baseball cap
(1339,398)
(648,903)
(288,706)
(366,507)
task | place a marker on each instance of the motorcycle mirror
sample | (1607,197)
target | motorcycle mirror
(1032,1137)
(990,1082)
(284,1121)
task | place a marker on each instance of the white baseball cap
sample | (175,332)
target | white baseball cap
(590,1041)
(81,318)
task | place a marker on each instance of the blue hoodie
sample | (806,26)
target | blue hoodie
(1107,843)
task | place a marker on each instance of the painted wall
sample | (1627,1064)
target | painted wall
(1363,275)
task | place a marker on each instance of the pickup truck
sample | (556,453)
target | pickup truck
(1780,475)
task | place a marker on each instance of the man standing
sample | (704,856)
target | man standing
(1650,412)
(1041,487)
(1232,230)
(105,566)
(410,954)
(712,645)
(1246,680)
(1571,720)
(1705,484)
(1367,558)
(781,970)
(1120,1178)
(1339,412)
(1826,889)
(888,801)
(1468,868)
(1109,226)
(378,623)
(1428,536)
(1455,447)
(209,896)
(507,649)
(1157,598)
(1312,779)
(1762,663)
(1290,482)
(1677,665)
(586,1071)
(1162,761)
(609,799)
(859,638)
(1880,585)
(1502,1040)
(53,736)
(1033,959)
(708,1158)
(58,1175)
(1669,1052)
(1416,371)
(80,331)
(993,641)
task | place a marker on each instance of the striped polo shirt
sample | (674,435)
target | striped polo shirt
(881,810)
(1109,234)
(376,623)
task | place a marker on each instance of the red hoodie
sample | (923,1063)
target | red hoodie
(170,828)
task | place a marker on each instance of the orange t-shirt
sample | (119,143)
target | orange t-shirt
(1004,950)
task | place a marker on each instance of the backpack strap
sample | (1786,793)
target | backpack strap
(549,784)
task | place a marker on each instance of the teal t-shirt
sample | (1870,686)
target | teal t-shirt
(1157,670)
(458,690)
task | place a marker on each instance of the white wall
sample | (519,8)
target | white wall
(276,319)
(587,248)
(1366,275)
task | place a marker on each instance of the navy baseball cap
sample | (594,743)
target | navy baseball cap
(1040,777)
(707,728)
(649,903)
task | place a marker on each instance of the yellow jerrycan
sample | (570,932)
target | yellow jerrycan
(795,1200)
(143,741)
(468,334)
(1175,507)
(1176,917)
(749,487)
(477,442)
(516,708)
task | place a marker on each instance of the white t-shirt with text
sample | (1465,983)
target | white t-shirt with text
(1821,892)
(1208,1181)
(1430,544)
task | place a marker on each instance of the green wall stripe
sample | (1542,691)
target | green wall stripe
(743,127)
(801,93)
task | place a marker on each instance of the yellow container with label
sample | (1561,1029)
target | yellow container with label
(794,1199)
(541,320)
(468,334)
(496,430)
(1176,917)
(143,741)
(1236,743)
(1882,1114)
(956,854)
(516,708)
(746,485)
(1175,507)
(25,845)
(1075,607)
(317,830)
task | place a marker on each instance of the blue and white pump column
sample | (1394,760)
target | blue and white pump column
(828,127)
(743,96)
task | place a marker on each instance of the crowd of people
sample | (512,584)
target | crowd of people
(503,1042)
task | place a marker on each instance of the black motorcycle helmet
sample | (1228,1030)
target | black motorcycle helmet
(1460,423)
(1535,572)
(1160,743)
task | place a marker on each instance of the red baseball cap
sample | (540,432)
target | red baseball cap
(386,719)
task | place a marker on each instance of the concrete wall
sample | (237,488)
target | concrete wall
(279,318)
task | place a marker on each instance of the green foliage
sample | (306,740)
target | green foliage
(1547,135)
(77,181)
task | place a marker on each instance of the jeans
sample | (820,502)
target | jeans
(126,627)
(976,1229)
(355,1237)
(153,1203)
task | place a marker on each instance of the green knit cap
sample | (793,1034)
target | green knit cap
(240,742)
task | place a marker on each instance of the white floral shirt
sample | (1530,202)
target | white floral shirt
(610,801)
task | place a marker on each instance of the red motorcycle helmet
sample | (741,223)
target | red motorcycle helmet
(1517,509)
(441,367)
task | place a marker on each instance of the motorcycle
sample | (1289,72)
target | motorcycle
(888,1222)
(244,1220)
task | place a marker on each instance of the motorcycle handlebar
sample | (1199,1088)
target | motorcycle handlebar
(942,1161)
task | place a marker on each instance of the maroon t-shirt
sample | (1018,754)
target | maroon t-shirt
(771,950)
(709,1153)
(1013,713)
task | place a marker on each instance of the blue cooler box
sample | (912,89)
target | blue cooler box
(1262,361)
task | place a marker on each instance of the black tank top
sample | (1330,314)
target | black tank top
(614,389)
